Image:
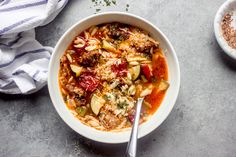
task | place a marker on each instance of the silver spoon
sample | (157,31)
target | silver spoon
(132,145)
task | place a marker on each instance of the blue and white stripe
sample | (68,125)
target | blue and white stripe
(23,60)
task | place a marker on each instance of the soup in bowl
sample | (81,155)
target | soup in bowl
(102,65)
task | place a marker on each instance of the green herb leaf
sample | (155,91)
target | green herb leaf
(81,110)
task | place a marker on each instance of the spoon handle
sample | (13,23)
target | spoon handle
(132,145)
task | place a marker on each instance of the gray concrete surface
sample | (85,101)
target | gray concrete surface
(202,123)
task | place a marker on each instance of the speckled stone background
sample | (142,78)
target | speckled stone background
(202,123)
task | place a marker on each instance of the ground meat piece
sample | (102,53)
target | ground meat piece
(65,72)
(63,59)
(79,91)
(65,69)
(76,90)
(80,101)
(63,81)
(70,88)
(142,42)
(117,31)
(89,59)
(109,120)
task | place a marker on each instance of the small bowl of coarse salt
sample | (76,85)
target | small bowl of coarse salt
(225,27)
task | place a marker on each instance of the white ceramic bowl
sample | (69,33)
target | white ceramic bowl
(157,118)
(228,6)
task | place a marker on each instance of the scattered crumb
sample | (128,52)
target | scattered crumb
(127,7)
(99,4)
(114,2)
(97,10)
(103,2)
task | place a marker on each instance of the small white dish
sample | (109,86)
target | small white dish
(156,119)
(226,7)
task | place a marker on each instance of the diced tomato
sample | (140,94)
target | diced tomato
(79,50)
(131,115)
(147,71)
(131,118)
(88,82)
(120,69)
(82,35)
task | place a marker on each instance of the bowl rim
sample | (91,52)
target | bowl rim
(174,95)
(217,28)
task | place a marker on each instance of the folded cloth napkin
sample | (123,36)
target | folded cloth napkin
(23,60)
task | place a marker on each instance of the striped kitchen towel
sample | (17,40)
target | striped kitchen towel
(23,60)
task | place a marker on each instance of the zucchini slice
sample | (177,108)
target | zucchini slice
(146,92)
(76,69)
(163,85)
(107,46)
(135,72)
(96,104)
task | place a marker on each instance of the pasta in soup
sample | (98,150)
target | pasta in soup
(106,68)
